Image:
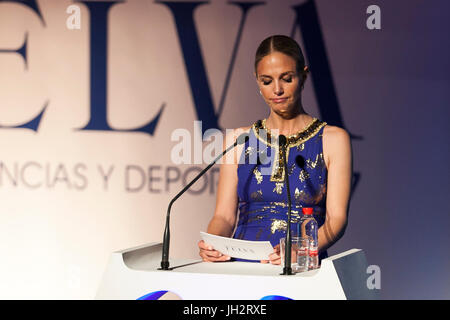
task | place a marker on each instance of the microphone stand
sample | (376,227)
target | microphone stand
(287,270)
(166,240)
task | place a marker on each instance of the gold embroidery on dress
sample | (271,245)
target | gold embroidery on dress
(302,196)
(297,194)
(271,211)
(258,176)
(303,175)
(278,225)
(295,140)
(278,188)
(278,167)
(313,164)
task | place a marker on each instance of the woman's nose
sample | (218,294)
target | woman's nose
(278,89)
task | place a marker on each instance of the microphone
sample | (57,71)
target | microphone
(243,138)
(300,161)
(287,270)
(282,141)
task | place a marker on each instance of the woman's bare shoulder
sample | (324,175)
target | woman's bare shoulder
(336,143)
(335,134)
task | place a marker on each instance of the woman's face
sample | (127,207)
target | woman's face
(279,83)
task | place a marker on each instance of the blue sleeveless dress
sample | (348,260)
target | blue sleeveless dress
(261,189)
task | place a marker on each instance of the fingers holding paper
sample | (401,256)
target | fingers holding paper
(274,257)
(208,254)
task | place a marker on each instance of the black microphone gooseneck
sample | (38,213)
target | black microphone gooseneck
(166,240)
(287,270)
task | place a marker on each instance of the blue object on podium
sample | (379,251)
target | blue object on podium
(133,274)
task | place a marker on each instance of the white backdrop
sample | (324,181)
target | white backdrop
(69,197)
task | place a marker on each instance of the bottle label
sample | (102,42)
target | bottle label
(313,252)
(303,251)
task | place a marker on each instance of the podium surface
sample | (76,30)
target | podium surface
(133,274)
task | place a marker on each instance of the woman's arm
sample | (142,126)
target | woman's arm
(338,158)
(224,218)
(225,213)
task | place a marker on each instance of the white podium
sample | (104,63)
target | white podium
(133,274)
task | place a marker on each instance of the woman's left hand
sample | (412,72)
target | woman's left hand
(274,257)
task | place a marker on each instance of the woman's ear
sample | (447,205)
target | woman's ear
(304,76)
(256,78)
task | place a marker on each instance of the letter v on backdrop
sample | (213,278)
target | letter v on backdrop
(183,13)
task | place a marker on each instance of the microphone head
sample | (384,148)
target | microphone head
(282,140)
(262,158)
(300,161)
(243,138)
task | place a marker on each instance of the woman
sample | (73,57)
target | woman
(319,163)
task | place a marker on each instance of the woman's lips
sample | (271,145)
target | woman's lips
(279,100)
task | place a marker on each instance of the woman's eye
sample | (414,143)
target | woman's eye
(266,82)
(288,79)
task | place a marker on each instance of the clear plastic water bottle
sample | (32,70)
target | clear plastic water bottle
(302,254)
(308,227)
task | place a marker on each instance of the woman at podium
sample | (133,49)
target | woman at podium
(251,197)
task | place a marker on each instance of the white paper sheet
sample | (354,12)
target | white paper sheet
(243,249)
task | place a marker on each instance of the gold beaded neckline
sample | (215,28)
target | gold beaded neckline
(293,139)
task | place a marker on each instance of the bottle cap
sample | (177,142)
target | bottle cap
(307,210)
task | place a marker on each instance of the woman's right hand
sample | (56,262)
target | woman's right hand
(208,254)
